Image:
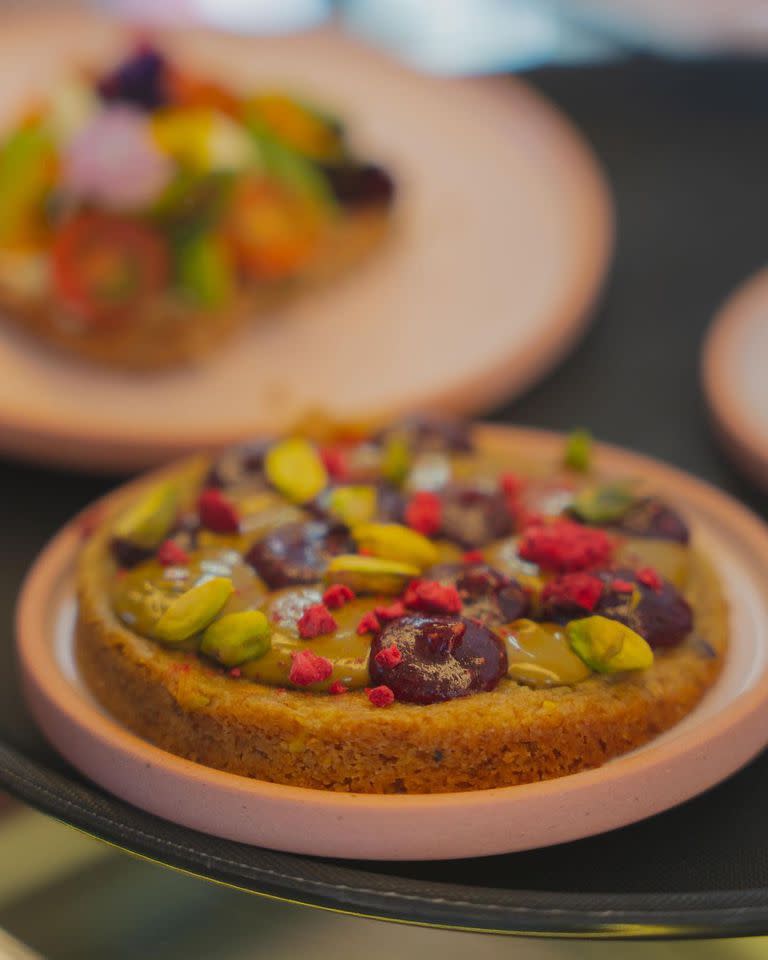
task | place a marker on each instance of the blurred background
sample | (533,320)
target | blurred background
(672,95)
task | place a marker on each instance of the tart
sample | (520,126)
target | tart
(398,611)
(147,212)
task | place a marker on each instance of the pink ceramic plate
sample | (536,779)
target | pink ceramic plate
(724,732)
(733,372)
(502,237)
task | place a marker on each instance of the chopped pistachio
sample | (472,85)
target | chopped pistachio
(193,610)
(608,646)
(578,451)
(393,541)
(370,574)
(603,504)
(294,467)
(148,521)
(237,637)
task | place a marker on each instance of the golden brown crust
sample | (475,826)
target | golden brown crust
(169,333)
(512,735)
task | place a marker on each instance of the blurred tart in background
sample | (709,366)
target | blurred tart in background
(148,212)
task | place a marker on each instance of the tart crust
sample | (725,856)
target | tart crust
(511,735)
(166,332)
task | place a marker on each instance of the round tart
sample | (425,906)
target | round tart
(147,210)
(402,611)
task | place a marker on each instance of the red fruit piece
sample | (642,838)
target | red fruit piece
(565,546)
(423,513)
(337,595)
(622,586)
(574,589)
(337,688)
(335,462)
(316,621)
(649,577)
(170,554)
(389,657)
(307,668)
(429,596)
(392,612)
(369,623)
(511,485)
(380,696)
(473,556)
(217,512)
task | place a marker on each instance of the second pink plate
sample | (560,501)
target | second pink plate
(725,731)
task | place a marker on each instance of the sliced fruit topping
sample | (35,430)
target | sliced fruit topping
(540,655)
(353,504)
(651,517)
(370,574)
(298,553)
(217,512)
(193,610)
(441,658)
(486,594)
(237,637)
(608,646)
(473,517)
(105,266)
(294,468)
(393,541)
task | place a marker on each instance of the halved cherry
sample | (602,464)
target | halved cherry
(298,552)
(486,594)
(104,266)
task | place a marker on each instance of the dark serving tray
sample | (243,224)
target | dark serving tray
(686,148)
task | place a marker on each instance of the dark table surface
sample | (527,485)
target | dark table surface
(685,147)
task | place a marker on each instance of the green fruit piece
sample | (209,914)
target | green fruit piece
(370,574)
(353,505)
(150,519)
(26,160)
(608,646)
(205,271)
(237,637)
(393,541)
(396,459)
(603,504)
(295,469)
(578,451)
(193,610)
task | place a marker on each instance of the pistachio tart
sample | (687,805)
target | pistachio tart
(402,610)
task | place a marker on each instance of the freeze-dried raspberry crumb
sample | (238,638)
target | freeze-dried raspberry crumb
(389,656)
(316,621)
(424,513)
(170,554)
(235,672)
(380,696)
(393,612)
(649,578)
(335,462)
(307,668)
(337,688)
(217,512)
(565,546)
(622,586)
(473,556)
(369,623)
(429,596)
(337,595)
(580,589)
(511,485)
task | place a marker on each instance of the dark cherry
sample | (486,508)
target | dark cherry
(140,80)
(128,554)
(360,185)
(650,517)
(238,464)
(663,616)
(432,434)
(472,517)
(442,658)
(298,552)
(486,594)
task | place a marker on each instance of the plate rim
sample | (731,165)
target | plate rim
(46,439)
(49,697)
(729,415)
